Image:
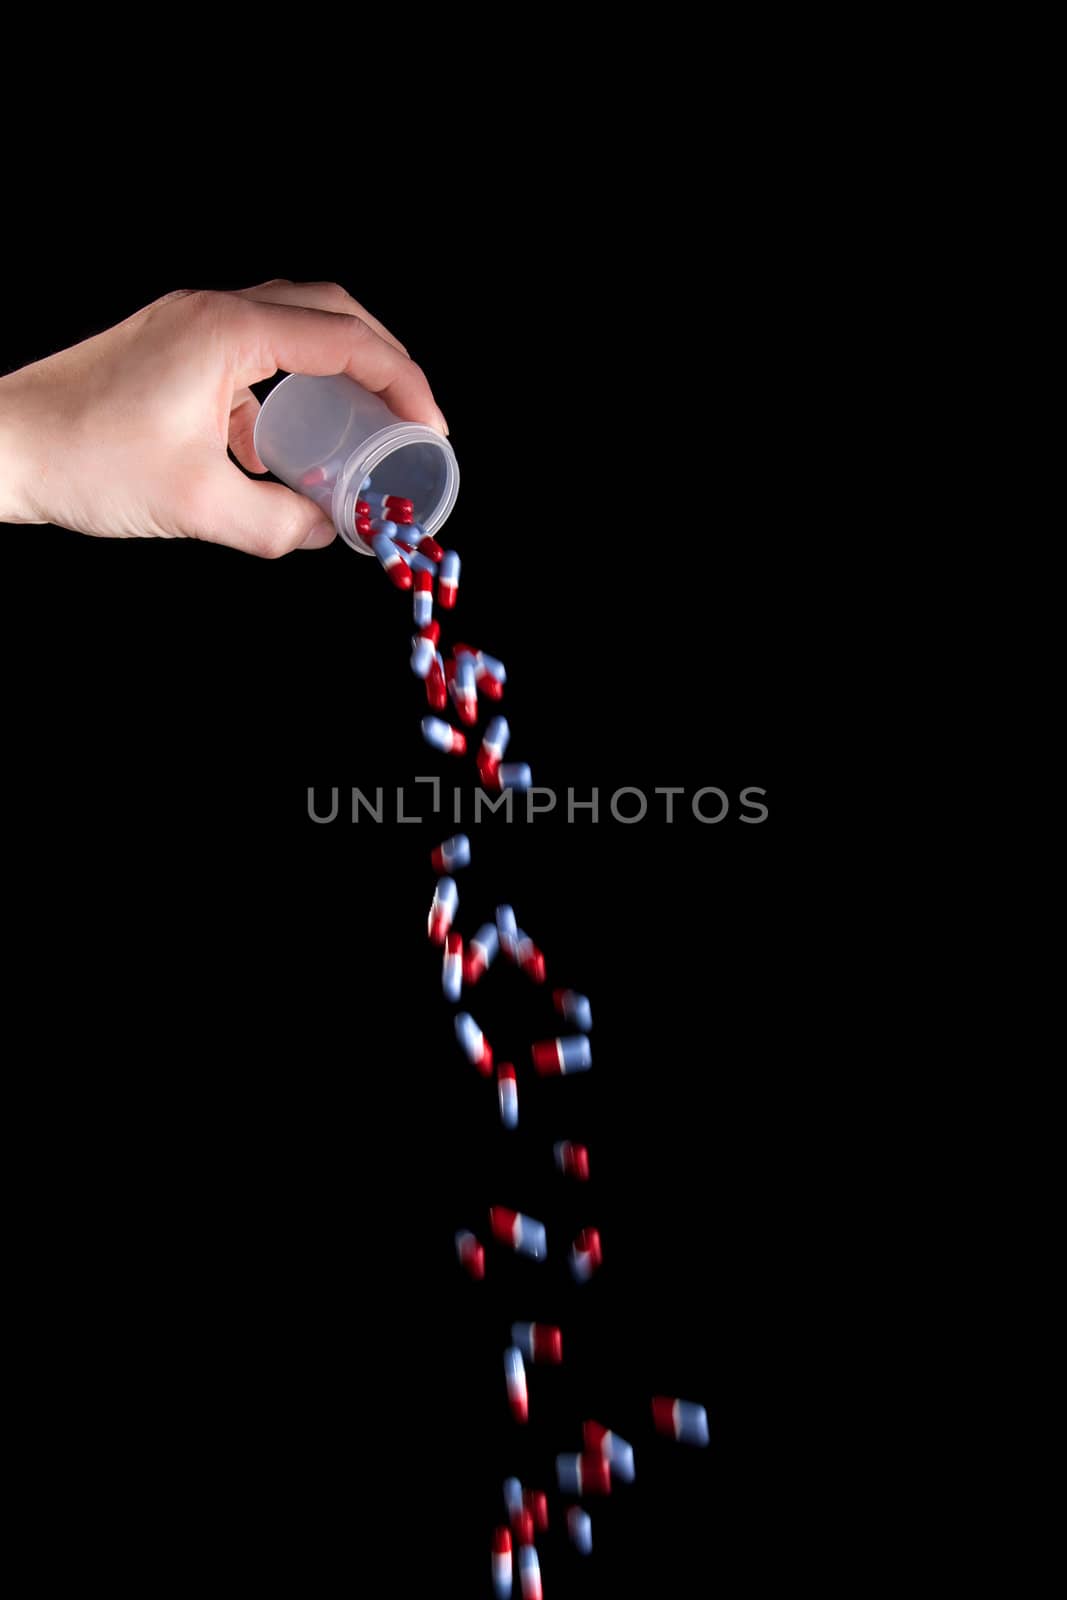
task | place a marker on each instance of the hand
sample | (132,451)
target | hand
(126,434)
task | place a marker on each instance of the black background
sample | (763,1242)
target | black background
(250,1131)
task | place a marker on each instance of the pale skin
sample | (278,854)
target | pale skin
(125,435)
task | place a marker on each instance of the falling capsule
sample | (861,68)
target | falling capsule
(585,1474)
(475,1045)
(423,599)
(452,968)
(443,909)
(538,1341)
(616,1452)
(449,580)
(451,854)
(580,1529)
(529,1573)
(574,1007)
(501,1564)
(396,568)
(683,1420)
(523,1234)
(508,1092)
(557,1057)
(442,737)
(515,1375)
(585,1256)
(572,1159)
(471,1254)
(481,952)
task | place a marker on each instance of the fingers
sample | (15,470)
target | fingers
(266,519)
(244,410)
(319,297)
(270,336)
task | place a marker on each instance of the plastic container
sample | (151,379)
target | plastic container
(323,436)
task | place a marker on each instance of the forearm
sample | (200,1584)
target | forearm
(22,464)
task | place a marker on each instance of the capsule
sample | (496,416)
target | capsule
(489,667)
(436,687)
(529,1574)
(585,1474)
(683,1420)
(512,1497)
(481,952)
(471,1254)
(418,562)
(443,909)
(515,1374)
(373,497)
(515,775)
(464,692)
(452,854)
(508,1092)
(365,529)
(536,1503)
(616,1452)
(528,957)
(428,546)
(396,568)
(475,1045)
(397,502)
(538,1341)
(585,1255)
(523,1234)
(449,580)
(421,655)
(384,525)
(423,599)
(580,1529)
(508,930)
(501,1563)
(572,1159)
(442,737)
(574,1007)
(495,738)
(365,485)
(452,968)
(522,1525)
(557,1057)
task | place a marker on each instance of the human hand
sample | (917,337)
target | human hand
(125,435)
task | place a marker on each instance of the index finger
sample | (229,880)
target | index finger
(321,343)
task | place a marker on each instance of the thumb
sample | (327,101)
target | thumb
(266,519)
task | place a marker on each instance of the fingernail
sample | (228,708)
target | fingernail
(441,420)
(323,533)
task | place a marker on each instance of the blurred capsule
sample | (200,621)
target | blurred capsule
(373,497)
(522,1524)
(442,737)
(523,1234)
(580,1528)
(488,666)
(529,1574)
(584,1474)
(396,568)
(496,736)
(442,909)
(423,599)
(508,1092)
(513,1498)
(452,968)
(557,1057)
(538,1341)
(572,1159)
(515,1374)
(536,1503)
(436,687)
(449,580)
(464,692)
(480,952)
(508,929)
(584,1255)
(420,563)
(502,1564)
(471,1254)
(421,655)
(575,1007)
(529,958)
(683,1420)
(515,775)
(616,1452)
(475,1045)
(451,854)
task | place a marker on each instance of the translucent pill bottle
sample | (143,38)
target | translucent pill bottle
(324,436)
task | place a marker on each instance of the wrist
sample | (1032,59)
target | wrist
(21,474)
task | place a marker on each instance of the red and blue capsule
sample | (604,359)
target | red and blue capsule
(525,1236)
(475,1045)
(425,544)
(481,952)
(508,929)
(464,690)
(572,1159)
(452,854)
(471,1254)
(585,1255)
(580,1529)
(574,1007)
(529,1574)
(536,1503)
(423,599)
(515,1376)
(436,685)
(538,1341)
(683,1420)
(585,1474)
(442,737)
(400,509)
(422,653)
(508,1094)
(452,968)
(515,775)
(513,1498)
(528,957)
(557,1057)
(396,568)
(442,909)
(501,1564)
(494,743)
(616,1452)
(448,585)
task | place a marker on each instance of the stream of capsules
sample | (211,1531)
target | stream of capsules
(414,561)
